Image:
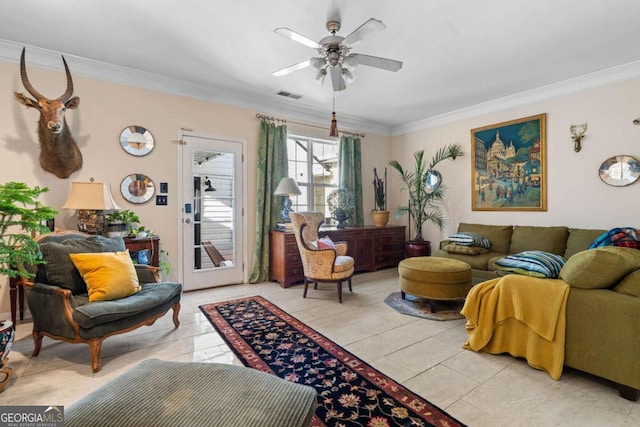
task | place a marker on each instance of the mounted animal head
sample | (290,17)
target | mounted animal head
(59,153)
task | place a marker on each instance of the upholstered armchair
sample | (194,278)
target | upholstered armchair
(63,307)
(320,264)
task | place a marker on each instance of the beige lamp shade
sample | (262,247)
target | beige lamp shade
(90,196)
(286,187)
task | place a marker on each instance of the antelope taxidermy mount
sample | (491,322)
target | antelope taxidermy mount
(577,133)
(59,153)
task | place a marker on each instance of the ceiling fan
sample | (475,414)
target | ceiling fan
(335,57)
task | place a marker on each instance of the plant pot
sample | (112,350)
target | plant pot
(413,249)
(7,333)
(341,217)
(380,218)
(117,229)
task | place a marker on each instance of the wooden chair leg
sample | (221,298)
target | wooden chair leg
(340,291)
(315,286)
(350,290)
(306,286)
(176,310)
(94,348)
(37,343)
(404,294)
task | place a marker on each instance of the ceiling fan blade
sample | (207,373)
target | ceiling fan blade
(337,79)
(292,68)
(296,37)
(375,61)
(371,26)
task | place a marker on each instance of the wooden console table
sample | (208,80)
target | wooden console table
(371,247)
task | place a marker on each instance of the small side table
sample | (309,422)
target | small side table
(16,295)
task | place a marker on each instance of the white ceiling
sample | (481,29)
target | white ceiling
(456,53)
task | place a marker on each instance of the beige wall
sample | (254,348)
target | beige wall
(575,194)
(107,108)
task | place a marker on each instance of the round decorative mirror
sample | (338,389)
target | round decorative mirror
(432,180)
(620,170)
(137,188)
(136,140)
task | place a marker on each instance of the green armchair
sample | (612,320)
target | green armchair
(59,301)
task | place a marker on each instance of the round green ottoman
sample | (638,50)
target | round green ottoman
(434,278)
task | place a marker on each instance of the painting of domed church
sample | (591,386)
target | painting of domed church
(508,166)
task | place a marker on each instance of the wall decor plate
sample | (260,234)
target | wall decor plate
(136,140)
(620,171)
(137,188)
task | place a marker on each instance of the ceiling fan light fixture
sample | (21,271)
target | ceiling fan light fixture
(317,64)
(348,76)
(320,75)
(350,63)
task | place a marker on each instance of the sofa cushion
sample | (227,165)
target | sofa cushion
(532,263)
(150,296)
(59,269)
(108,275)
(479,262)
(454,248)
(470,239)
(630,285)
(498,235)
(579,240)
(546,239)
(600,267)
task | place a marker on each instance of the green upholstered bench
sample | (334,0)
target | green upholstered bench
(159,393)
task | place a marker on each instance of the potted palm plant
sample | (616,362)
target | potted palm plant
(424,200)
(380,214)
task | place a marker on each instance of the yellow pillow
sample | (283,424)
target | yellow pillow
(108,275)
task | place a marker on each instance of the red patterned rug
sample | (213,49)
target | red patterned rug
(350,392)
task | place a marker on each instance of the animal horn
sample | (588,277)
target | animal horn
(67,94)
(25,79)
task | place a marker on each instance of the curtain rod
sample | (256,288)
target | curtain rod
(278,119)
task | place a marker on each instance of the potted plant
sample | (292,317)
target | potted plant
(424,201)
(121,222)
(380,214)
(341,205)
(20,216)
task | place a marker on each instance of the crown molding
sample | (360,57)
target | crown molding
(45,58)
(48,59)
(604,77)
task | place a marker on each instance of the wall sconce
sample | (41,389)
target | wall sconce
(287,187)
(91,199)
(577,132)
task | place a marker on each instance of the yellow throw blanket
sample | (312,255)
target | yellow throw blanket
(520,315)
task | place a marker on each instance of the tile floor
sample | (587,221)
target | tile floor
(424,355)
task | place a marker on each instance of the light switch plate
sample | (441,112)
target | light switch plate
(161,200)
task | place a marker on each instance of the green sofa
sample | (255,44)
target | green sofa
(603,308)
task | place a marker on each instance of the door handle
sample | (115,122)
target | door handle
(187,220)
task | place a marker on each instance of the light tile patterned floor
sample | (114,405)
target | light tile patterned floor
(425,355)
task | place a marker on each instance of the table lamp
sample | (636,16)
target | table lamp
(91,199)
(287,187)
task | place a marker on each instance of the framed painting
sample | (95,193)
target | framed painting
(508,166)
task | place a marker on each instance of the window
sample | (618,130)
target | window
(313,163)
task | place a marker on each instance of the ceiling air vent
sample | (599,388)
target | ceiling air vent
(289,94)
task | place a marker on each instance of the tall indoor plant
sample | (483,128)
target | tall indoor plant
(21,215)
(424,203)
(380,214)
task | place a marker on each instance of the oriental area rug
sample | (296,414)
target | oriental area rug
(350,392)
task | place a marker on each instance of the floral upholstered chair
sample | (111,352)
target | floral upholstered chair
(322,260)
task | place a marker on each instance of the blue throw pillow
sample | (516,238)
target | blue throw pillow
(469,238)
(532,263)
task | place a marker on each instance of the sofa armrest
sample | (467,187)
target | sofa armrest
(52,310)
(147,273)
(341,248)
(444,243)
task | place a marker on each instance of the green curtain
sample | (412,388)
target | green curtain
(272,167)
(351,174)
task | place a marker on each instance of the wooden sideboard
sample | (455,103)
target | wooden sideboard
(371,247)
